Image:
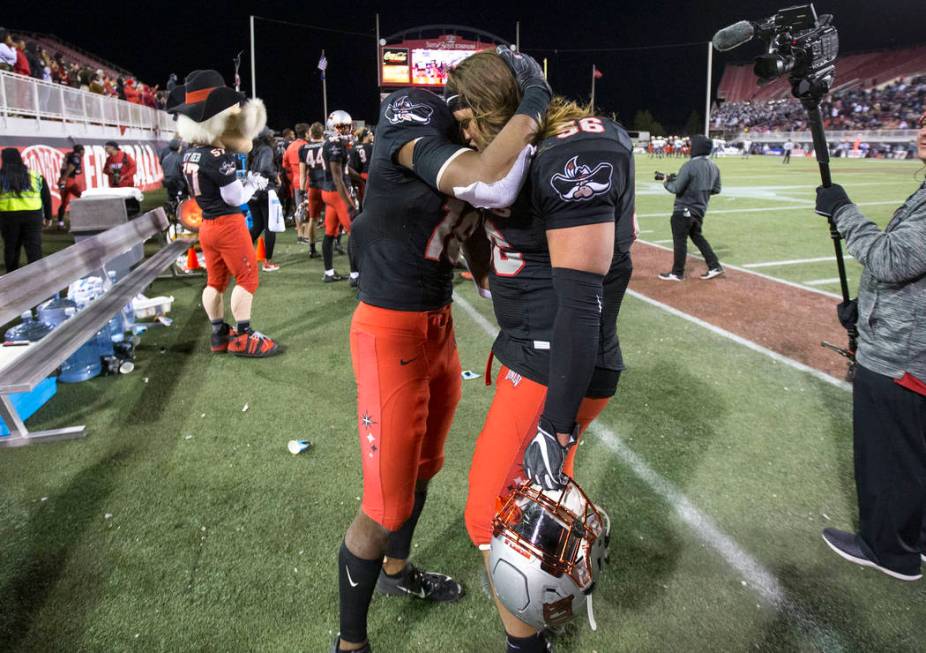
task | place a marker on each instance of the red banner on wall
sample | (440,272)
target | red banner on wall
(47,161)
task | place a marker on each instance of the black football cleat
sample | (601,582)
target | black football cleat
(366,648)
(331,278)
(425,585)
(355,282)
(846,546)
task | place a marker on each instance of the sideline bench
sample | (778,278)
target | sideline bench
(28,286)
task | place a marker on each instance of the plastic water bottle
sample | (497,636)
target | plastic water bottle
(29,329)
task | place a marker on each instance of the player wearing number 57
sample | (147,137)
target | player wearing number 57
(219,122)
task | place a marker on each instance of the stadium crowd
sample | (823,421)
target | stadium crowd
(897,105)
(28,58)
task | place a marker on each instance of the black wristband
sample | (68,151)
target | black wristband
(534,103)
(574,347)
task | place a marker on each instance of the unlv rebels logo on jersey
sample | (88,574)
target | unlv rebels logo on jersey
(578,182)
(403,110)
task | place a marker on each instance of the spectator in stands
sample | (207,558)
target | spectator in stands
(96,84)
(171,82)
(693,186)
(130,91)
(7,51)
(889,393)
(261,162)
(22,67)
(36,65)
(67,181)
(119,167)
(24,202)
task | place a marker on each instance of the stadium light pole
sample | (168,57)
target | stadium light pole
(253,66)
(707,99)
(517,35)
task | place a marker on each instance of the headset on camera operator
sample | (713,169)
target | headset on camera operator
(889,400)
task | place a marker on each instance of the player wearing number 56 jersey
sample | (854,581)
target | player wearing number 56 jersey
(402,340)
(560,266)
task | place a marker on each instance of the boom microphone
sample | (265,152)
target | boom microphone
(734,36)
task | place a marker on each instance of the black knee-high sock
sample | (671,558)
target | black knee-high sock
(357,580)
(400,541)
(534,644)
(328,252)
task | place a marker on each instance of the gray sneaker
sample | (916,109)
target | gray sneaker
(713,272)
(337,640)
(846,546)
(670,276)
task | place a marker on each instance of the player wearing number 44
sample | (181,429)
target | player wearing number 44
(405,242)
(560,264)
(218,122)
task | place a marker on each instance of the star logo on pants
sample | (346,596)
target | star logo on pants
(366,420)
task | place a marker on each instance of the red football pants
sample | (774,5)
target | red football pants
(336,213)
(509,427)
(408,387)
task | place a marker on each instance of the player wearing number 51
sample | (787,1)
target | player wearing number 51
(218,122)
(405,242)
(560,264)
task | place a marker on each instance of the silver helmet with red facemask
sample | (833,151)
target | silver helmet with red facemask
(547,552)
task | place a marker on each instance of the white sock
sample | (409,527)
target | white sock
(354,275)
(329,273)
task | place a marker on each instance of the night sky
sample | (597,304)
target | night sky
(153,39)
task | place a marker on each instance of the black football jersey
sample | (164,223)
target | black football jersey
(402,236)
(585,175)
(334,150)
(311,155)
(76,160)
(206,169)
(360,157)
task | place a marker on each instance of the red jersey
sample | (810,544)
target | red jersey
(120,168)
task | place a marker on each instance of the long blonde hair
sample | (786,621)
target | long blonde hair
(486,85)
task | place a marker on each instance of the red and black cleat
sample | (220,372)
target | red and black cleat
(220,340)
(253,344)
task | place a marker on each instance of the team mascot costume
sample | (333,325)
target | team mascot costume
(217,123)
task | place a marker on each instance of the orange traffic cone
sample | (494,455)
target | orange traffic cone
(261,251)
(192,260)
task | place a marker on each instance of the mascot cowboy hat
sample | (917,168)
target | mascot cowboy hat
(210,113)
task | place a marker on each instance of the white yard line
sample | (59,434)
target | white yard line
(754,273)
(763,209)
(662,242)
(821,282)
(759,579)
(794,261)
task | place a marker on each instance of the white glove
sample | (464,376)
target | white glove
(256,181)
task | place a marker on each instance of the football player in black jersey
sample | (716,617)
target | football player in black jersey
(360,156)
(402,341)
(340,205)
(560,266)
(67,182)
(217,122)
(311,178)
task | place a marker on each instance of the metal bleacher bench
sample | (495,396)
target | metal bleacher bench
(28,286)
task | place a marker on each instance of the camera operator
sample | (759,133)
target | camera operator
(697,180)
(889,397)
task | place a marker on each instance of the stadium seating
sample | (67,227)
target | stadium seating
(864,70)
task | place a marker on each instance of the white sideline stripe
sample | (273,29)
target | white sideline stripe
(821,282)
(755,274)
(647,231)
(662,242)
(757,577)
(795,261)
(761,209)
(749,344)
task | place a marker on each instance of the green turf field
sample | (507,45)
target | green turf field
(181,523)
